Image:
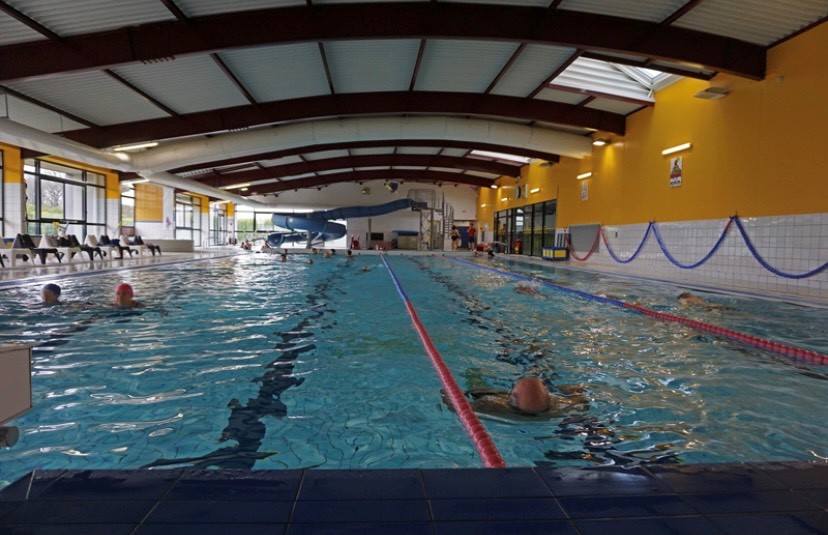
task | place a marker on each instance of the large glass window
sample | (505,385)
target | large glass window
(62,199)
(218,224)
(528,229)
(127,204)
(188,218)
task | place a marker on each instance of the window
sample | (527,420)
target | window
(188,218)
(127,205)
(218,224)
(62,199)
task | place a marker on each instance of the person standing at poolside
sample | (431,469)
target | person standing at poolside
(455,238)
(472,236)
(123,297)
(50,294)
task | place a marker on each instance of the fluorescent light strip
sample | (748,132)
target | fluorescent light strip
(136,146)
(504,199)
(237,186)
(677,148)
(500,156)
(534,190)
(584,175)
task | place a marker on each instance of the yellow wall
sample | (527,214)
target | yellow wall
(12,164)
(149,202)
(758,151)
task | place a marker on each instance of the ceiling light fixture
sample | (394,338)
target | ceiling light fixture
(500,156)
(493,186)
(584,175)
(534,190)
(243,187)
(677,148)
(136,146)
(504,199)
(483,205)
(600,142)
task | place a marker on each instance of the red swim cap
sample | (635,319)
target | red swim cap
(124,288)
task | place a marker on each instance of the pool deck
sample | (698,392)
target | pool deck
(773,498)
(776,498)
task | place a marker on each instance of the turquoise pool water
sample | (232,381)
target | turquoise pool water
(246,362)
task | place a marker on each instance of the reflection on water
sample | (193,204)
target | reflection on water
(253,363)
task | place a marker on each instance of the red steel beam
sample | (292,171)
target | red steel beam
(445,20)
(379,103)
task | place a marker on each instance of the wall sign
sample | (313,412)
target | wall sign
(584,190)
(675,172)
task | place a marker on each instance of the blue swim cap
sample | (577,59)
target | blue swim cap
(54,288)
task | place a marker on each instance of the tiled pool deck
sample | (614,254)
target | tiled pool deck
(776,498)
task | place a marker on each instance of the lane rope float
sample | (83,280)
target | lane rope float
(793,352)
(480,437)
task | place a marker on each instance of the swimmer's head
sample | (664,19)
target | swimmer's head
(529,395)
(124,289)
(50,293)
(685,295)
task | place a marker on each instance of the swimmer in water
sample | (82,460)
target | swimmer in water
(123,297)
(527,289)
(528,399)
(50,294)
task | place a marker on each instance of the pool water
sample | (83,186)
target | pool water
(247,362)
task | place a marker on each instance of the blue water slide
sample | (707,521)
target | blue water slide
(320,227)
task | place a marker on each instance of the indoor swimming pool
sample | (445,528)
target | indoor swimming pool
(246,362)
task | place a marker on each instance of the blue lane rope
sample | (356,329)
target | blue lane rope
(706,257)
(767,266)
(579,293)
(652,227)
(635,254)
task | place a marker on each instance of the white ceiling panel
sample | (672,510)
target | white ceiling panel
(464,66)
(334,171)
(563,128)
(12,31)
(198,8)
(297,177)
(613,106)
(649,10)
(459,153)
(482,174)
(325,154)
(23,112)
(372,150)
(431,151)
(373,168)
(65,17)
(529,3)
(565,97)
(534,65)
(186,84)
(90,95)
(446,169)
(756,22)
(602,77)
(375,65)
(279,72)
(281,161)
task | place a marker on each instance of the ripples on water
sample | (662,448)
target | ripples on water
(248,362)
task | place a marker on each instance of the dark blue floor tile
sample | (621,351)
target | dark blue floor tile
(7,507)
(781,524)
(798,475)
(624,506)
(480,509)
(221,485)
(30,486)
(362,485)
(490,483)
(211,529)
(246,512)
(818,497)
(664,525)
(583,482)
(719,478)
(110,485)
(550,527)
(361,511)
(67,529)
(745,502)
(88,511)
(415,528)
